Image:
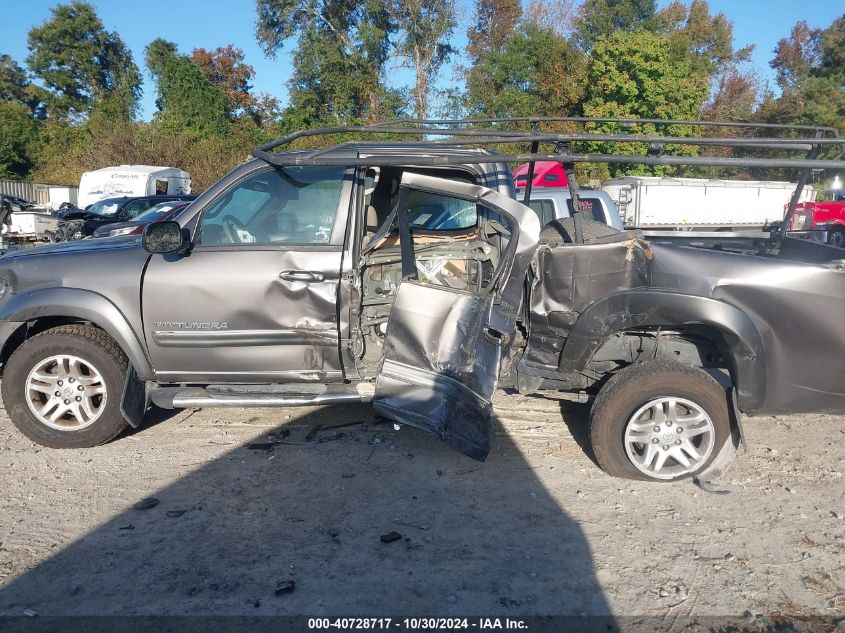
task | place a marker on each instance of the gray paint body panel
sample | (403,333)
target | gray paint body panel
(776,315)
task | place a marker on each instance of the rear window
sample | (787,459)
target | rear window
(589,206)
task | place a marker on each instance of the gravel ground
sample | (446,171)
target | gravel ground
(251,498)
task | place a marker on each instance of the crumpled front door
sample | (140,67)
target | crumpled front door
(443,347)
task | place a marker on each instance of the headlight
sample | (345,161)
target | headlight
(124,231)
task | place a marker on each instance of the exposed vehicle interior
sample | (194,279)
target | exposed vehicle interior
(456,245)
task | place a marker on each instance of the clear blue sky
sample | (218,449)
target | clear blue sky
(213,23)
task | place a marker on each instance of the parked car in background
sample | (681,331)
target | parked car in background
(555,203)
(17,204)
(113,210)
(161,211)
(823,220)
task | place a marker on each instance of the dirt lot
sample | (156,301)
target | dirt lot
(537,529)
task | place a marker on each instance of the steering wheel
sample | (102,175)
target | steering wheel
(233,228)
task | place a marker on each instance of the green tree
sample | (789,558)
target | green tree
(19,139)
(16,86)
(604,17)
(796,56)
(427,26)
(810,67)
(225,67)
(707,40)
(495,24)
(636,75)
(341,50)
(188,103)
(82,64)
(824,88)
(534,72)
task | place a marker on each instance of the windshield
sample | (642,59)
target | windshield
(104,207)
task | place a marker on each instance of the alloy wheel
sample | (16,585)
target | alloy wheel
(66,392)
(669,437)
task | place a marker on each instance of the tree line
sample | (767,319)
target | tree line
(73,104)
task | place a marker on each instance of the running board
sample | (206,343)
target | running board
(293,395)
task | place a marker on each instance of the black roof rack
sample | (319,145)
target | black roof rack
(822,147)
(468,133)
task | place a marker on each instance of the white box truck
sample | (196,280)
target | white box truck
(652,202)
(131,181)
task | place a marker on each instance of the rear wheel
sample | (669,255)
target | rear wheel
(62,388)
(659,420)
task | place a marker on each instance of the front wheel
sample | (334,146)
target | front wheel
(660,421)
(62,388)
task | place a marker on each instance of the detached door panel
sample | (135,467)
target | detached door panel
(443,347)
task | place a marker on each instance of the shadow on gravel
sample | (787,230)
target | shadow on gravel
(154,417)
(577,419)
(475,539)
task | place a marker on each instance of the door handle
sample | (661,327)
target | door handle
(302,275)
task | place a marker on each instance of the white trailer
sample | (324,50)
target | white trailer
(131,181)
(697,203)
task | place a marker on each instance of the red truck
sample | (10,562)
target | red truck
(824,219)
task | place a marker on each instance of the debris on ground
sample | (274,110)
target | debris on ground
(390,537)
(377,440)
(285,586)
(30,613)
(146,504)
(174,514)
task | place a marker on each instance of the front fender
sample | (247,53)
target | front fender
(651,308)
(83,305)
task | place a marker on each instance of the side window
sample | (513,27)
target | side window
(436,212)
(591,207)
(284,205)
(134,208)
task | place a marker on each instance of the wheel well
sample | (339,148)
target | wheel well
(32,328)
(700,346)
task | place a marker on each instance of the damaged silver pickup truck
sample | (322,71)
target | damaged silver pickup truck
(406,274)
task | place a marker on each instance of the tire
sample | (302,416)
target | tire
(836,237)
(636,403)
(562,231)
(90,387)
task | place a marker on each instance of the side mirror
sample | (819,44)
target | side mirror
(162,237)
